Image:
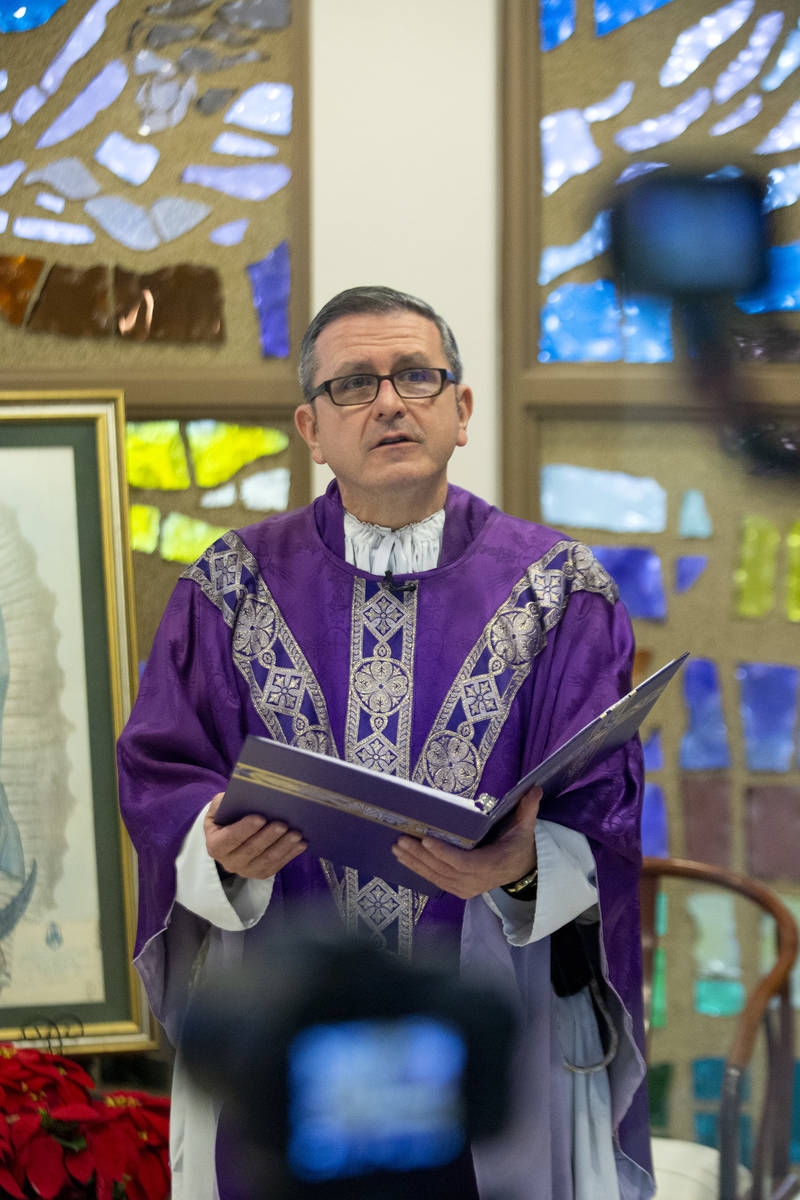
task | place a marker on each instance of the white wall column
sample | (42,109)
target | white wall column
(405,184)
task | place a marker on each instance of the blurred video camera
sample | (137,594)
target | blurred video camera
(691,236)
(347,1073)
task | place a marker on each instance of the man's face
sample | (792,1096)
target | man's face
(389,457)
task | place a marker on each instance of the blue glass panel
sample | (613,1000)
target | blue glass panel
(637,573)
(653,752)
(655,838)
(270,281)
(556,22)
(707,1078)
(781,292)
(688,569)
(768,707)
(647,329)
(610,500)
(794,1145)
(718,997)
(694,521)
(610,14)
(705,743)
(16,17)
(580,322)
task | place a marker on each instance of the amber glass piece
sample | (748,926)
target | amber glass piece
(793,573)
(18,277)
(73,303)
(176,304)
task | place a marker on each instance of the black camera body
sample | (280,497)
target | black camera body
(347,1073)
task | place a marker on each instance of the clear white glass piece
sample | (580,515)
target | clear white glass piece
(173,216)
(229,234)
(85,35)
(127,223)
(5,124)
(221,497)
(748,62)
(52,203)
(693,46)
(95,97)
(619,99)
(783,187)
(3,220)
(787,62)
(558,259)
(132,161)
(245,147)
(637,169)
(567,148)
(9,174)
(654,131)
(594,499)
(42,229)
(264,108)
(747,111)
(255,182)
(68,176)
(27,104)
(266,490)
(148,63)
(3,80)
(785,135)
(164,103)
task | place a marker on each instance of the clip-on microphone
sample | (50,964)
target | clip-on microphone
(398,588)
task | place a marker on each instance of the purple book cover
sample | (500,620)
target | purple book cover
(352,815)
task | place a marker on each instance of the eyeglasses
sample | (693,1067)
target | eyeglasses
(412,383)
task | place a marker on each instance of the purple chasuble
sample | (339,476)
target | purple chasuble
(503,651)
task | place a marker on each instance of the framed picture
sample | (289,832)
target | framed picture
(67,654)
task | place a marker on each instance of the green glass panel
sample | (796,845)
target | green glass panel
(145,520)
(659,1080)
(218,450)
(156,457)
(183,539)
(793,573)
(661,915)
(658,998)
(754,578)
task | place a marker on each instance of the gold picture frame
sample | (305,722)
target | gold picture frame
(67,671)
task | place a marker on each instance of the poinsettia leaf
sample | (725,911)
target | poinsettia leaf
(80,1165)
(9,1184)
(152,1176)
(46,1171)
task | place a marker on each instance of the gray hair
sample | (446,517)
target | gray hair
(373,299)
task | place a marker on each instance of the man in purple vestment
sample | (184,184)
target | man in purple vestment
(402,623)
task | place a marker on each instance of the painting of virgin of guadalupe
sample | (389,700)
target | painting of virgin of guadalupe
(49,922)
(67,905)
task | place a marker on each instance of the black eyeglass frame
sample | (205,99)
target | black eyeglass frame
(445,376)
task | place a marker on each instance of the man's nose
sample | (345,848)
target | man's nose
(387,402)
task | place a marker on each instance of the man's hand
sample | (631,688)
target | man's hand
(250,847)
(468,873)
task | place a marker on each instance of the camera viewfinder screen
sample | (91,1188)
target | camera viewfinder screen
(375,1095)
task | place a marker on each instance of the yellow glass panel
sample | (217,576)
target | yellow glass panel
(754,578)
(156,457)
(183,539)
(793,574)
(145,520)
(219,450)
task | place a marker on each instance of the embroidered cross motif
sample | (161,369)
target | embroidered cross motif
(480,698)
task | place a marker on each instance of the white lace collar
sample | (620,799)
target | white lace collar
(404,551)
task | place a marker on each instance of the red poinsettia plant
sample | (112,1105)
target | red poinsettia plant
(62,1140)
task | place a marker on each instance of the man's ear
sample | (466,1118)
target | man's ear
(464,407)
(305,420)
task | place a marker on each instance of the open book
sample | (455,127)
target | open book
(352,815)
